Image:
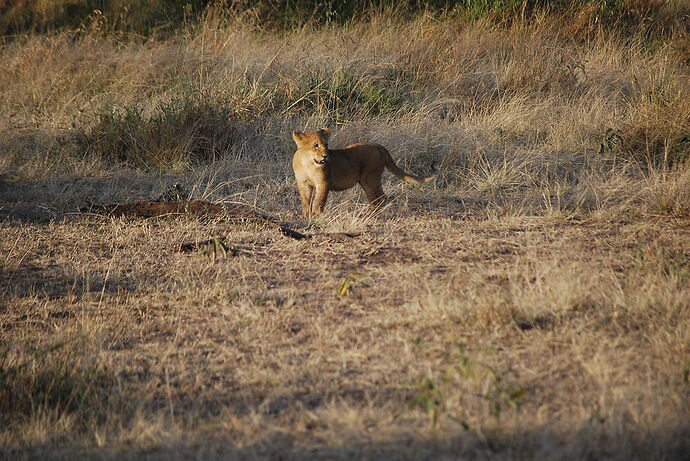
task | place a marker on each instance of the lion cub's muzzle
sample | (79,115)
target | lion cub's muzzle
(323,160)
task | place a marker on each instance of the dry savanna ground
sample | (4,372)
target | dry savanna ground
(533,302)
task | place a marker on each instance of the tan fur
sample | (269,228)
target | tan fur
(319,170)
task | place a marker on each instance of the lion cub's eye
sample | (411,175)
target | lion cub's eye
(316,146)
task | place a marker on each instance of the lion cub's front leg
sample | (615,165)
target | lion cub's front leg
(320,197)
(306,194)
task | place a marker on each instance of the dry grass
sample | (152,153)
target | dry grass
(533,303)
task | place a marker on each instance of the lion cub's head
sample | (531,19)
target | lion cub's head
(314,143)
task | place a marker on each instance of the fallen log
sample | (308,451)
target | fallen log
(195,207)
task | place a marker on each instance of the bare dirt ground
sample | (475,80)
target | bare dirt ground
(430,330)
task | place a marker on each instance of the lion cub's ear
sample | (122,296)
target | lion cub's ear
(298,136)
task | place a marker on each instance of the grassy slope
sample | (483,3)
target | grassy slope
(533,302)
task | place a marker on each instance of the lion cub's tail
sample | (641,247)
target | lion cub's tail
(395,169)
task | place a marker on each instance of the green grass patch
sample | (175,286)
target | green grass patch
(345,96)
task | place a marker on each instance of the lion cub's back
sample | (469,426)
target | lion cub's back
(367,153)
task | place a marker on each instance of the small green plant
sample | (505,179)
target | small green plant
(215,248)
(348,283)
(432,395)
(429,397)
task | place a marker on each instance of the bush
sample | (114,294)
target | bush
(173,136)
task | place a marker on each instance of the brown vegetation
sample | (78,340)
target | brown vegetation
(533,303)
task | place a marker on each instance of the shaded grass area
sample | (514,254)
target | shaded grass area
(53,379)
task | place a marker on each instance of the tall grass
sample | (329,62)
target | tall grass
(549,102)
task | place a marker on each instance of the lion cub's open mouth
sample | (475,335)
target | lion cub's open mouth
(322,161)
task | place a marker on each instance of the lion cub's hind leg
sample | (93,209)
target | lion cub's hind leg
(372,187)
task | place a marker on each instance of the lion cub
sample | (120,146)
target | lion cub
(319,170)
